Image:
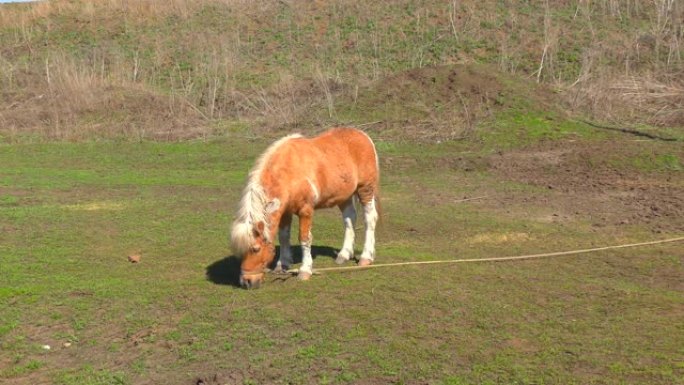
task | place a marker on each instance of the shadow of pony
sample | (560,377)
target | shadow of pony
(226,271)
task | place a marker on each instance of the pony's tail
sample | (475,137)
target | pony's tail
(378,206)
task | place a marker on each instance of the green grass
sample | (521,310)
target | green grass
(520,127)
(87,375)
(22,369)
(658,162)
(71,213)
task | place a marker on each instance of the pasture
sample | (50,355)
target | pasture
(503,128)
(71,213)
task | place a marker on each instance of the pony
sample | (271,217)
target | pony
(296,176)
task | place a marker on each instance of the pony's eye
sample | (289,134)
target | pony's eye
(255,249)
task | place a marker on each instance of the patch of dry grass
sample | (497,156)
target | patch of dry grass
(645,99)
(267,65)
(74,100)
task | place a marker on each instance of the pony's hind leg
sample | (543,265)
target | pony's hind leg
(349,221)
(370,216)
(285,258)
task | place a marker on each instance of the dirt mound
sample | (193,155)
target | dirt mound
(73,111)
(610,182)
(440,102)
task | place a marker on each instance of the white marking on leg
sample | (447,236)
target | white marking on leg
(370,215)
(349,220)
(307,259)
(285,259)
(314,189)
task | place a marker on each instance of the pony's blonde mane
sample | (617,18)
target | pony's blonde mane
(253,203)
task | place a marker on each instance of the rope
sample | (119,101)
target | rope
(494,259)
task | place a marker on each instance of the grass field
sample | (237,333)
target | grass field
(70,214)
(503,128)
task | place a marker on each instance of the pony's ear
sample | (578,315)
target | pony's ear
(272,206)
(258,229)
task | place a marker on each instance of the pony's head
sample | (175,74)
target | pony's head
(251,244)
(251,241)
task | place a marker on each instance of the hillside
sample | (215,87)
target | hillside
(184,69)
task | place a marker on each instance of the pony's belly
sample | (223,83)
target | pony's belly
(328,203)
(335,194)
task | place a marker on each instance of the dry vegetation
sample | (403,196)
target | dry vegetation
(180,68)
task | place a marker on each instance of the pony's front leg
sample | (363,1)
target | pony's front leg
(285,257)
(349,221)
(306,239)
(370,216)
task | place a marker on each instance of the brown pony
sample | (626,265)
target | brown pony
(296,176)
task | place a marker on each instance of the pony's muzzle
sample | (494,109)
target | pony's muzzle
(251,280)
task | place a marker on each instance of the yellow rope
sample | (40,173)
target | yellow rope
(495,259)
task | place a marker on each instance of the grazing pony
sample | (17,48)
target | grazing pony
(295,176)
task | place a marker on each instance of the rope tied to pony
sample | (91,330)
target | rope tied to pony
(492,259)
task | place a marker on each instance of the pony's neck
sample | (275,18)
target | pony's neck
(253,207)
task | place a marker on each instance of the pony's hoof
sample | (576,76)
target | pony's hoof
(342,257)
(280,270)
(365,262)
(303,276)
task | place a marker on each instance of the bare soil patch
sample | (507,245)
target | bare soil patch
(598,180)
